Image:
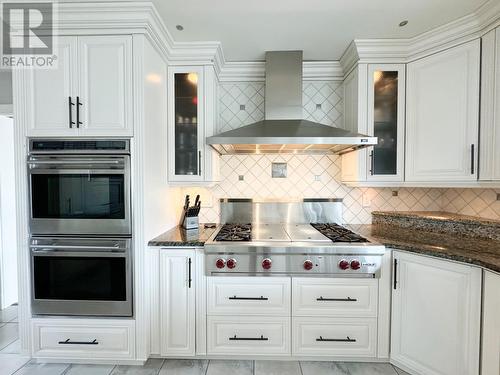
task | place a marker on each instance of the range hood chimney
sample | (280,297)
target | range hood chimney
(284,130)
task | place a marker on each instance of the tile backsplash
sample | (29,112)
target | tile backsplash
(318,176)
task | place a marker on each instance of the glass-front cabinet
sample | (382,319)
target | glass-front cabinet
(191,119)
(186,115)
(385,120)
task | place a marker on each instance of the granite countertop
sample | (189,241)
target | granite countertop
(480,252)
(178,236)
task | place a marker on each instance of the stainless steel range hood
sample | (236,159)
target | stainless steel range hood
(284,130)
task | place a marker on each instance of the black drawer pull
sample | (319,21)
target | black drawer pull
(261,338)
(348,299)
(68,342)
(348,339)
(261,298)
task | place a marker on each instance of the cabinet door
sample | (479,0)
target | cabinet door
(177,303)
(50,90)
(105,89)
(489,167)
(386,117)
(186,123)
(436,308)
(490,356)
(442,115)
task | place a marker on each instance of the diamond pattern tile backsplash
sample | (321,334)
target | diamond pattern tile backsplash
(318,176)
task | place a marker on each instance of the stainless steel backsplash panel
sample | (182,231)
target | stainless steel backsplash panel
(279,212)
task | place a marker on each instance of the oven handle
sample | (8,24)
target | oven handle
(81,253)
(79,247)
(86,163)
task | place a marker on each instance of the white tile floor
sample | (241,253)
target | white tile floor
(11,362)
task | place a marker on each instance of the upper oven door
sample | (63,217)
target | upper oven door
(87,195)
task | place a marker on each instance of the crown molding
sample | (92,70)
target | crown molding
(256,72)
(113,17)
(457,32)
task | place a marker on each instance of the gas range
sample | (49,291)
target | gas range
(317,249)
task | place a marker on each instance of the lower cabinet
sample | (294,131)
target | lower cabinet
(314,317)
(256,335)
(177,303)
(490,356)
(436,313)
(72,338)
(335,337)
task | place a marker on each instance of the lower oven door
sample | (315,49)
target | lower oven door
(79,195)
(90,277)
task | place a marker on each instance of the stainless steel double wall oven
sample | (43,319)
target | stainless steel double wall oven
(80,226)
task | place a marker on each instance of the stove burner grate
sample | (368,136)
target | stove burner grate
(235,232)
(338,233)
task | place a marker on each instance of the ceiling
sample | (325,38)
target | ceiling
(321,28)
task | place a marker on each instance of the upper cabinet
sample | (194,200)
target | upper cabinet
(374,97)
(442,115)
(191,107)
(88,94)
(386,114)
(489,169)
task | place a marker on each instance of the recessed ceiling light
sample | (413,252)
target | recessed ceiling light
(403,23)
(179,27)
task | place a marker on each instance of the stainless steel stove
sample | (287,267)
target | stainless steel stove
(255,248)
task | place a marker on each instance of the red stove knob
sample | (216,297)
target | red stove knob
(266,263)
(308,265)
(343,264)
(355,265)
(231,263)
(220,263)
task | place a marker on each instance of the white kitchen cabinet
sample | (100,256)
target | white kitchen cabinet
(436,307)
(53,93)
(442,115)
(249,335)
(489,168)
(177,303)
(490,356)
(88,94)
(105,85)
(191,110)
(374,100)
(76,338)
(335,337)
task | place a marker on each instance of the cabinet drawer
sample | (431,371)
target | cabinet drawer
(248,335)
(334,297)
(83,339)
(248,296)
(335,337)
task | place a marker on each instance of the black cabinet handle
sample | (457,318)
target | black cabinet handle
(261,338)
(199,163)
(348,299)
(261,298)
(472,158)
(70,111)
(395,278)
(68,342)
(372,163)
(347,339)
(78,104)
(189,273)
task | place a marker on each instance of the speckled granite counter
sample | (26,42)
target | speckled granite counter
(442,222)
(178,236)
(480,252)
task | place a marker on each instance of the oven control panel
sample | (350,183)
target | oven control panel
(297,264)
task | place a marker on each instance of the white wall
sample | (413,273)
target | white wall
(5,87)
(8,247)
